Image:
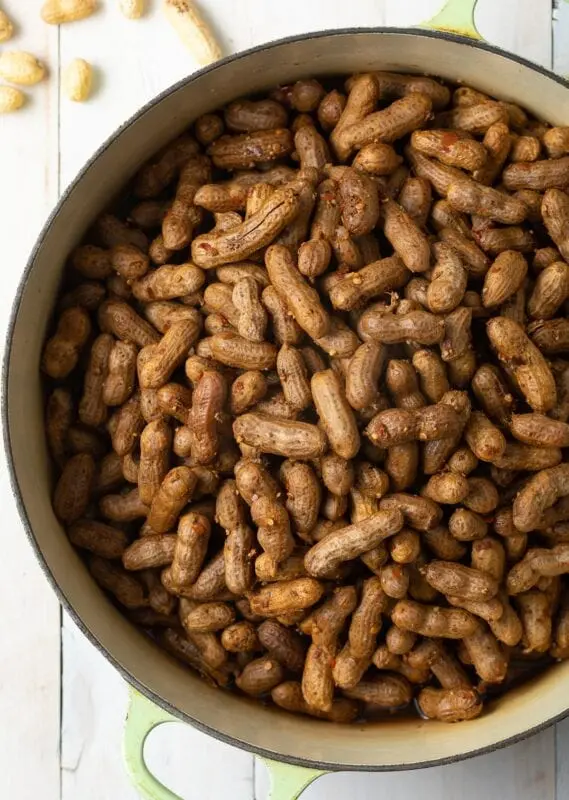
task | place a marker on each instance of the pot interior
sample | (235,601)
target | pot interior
(396,743)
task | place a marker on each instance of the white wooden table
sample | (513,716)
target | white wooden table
(61,705)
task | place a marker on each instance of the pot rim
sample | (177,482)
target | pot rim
(148,692)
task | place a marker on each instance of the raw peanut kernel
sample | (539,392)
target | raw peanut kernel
(57,12)
(22,68)
(6,27)
(11,99)
(132,9)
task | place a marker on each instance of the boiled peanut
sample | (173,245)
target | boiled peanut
(268,536)
(281,598)
(279,436)
(73,489)
(335,414)
(449,705)
(350,542)
(433,620)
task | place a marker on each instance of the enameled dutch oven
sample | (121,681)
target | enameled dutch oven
(396,744)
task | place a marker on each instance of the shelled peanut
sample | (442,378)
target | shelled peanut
(308,397)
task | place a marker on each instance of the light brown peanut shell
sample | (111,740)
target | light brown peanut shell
(433,621)
(73,489)
(504,278)
(215,250)
(286,596)
(335,414)
(460,581)
(302,300)
(449,705)
(516,352)
(350,542)
(278,436)
(408,241)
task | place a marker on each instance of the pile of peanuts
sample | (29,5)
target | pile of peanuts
(307,397)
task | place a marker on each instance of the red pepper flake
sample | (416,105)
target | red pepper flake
(448,139)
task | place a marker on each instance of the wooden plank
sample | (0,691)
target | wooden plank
(523,772)
(262,21)
(133,61)
(407,13)
(30,619)
(521,26)
(561,37)
(562,759)
(93,712)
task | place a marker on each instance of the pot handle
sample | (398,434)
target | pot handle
(456,16)
(141,719)
(287,782)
